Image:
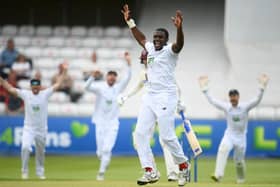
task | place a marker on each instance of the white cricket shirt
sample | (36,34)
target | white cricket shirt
(236,117)
(36,108)
(161,69)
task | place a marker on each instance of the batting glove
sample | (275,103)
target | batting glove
(180,107)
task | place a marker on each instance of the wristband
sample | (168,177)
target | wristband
(131,24)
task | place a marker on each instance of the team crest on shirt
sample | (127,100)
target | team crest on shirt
(36,108)
(151,60)
(109,102)
(235,118)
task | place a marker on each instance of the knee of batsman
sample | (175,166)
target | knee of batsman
(26,148)
(223,149)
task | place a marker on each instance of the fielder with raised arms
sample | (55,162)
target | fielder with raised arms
(235,134)
(106,114)
(159,103)
(35,121)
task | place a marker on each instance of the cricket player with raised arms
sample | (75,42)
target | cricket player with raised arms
(106,114)
(35,121)
(237,122)
(159,103)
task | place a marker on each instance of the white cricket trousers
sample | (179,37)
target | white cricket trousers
(238,144)
(157,108)
(28,137)
(106,135)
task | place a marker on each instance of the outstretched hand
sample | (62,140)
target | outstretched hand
(263,80)
(126,12)
(203,82)
(178,19)
(127,57)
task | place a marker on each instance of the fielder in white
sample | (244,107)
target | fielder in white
(159,103)
(35,121)
(106,114)
(235,134)
(171,168)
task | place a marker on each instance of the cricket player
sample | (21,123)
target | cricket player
(159,103)
(235,133)
(106,114)
(171,168)
(35,121)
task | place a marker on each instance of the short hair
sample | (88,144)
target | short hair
(233,92)
(165,32)
(35,82)
(112,73)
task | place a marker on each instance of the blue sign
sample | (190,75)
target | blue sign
(76,135)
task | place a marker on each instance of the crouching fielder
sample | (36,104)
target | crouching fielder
(35,121)
(235,134)
(106,114)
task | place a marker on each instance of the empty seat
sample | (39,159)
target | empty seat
(9,30)
(61,31)
(50,52)
(59,97)
(91,42)
(81,63)
(68,52)
(46,63)
(88,97)
(79,86)
(126,32)
(95,32)
(33,52)
(125,43)
(53,109)
(44,31)
(3,41)
(105,53)
(2,108)
(68,109)
(84,52)
(113,31)
(26,30)
(85,109)
(79,31)
(108,42)
(56,42)
(76,74)
(22,41)
(24,84)
(48,74)
(73,42)
(39,41)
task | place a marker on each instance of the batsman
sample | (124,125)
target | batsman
(237,122)
(159,103)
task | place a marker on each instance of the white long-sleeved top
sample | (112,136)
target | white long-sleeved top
(106,106)
(236,117)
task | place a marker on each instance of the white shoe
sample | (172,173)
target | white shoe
(42,177)
(100,177)
(240,181)
(173,176)
(184,176)
(24,176)
(148,177)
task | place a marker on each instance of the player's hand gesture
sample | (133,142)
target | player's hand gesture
(127,57)
(96,74)
(203,82)
(263,80)
(126,12)
(178,19)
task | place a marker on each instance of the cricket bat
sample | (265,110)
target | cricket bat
(191,136)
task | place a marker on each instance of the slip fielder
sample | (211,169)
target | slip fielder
(235,134)
(35,121)
(106,114)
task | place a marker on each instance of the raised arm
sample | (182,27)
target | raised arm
(60,79)
(263,80)
(89,85)
(123,83)
(178,21)
(138,35)
(203,81)
(8,87)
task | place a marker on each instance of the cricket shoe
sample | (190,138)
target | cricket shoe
(184,175)
(42,177)
(100,177)
(216,179)
(240,181)
(24,176)
(173,176)
(148,177)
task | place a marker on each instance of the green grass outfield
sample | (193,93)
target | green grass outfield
(80,171)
